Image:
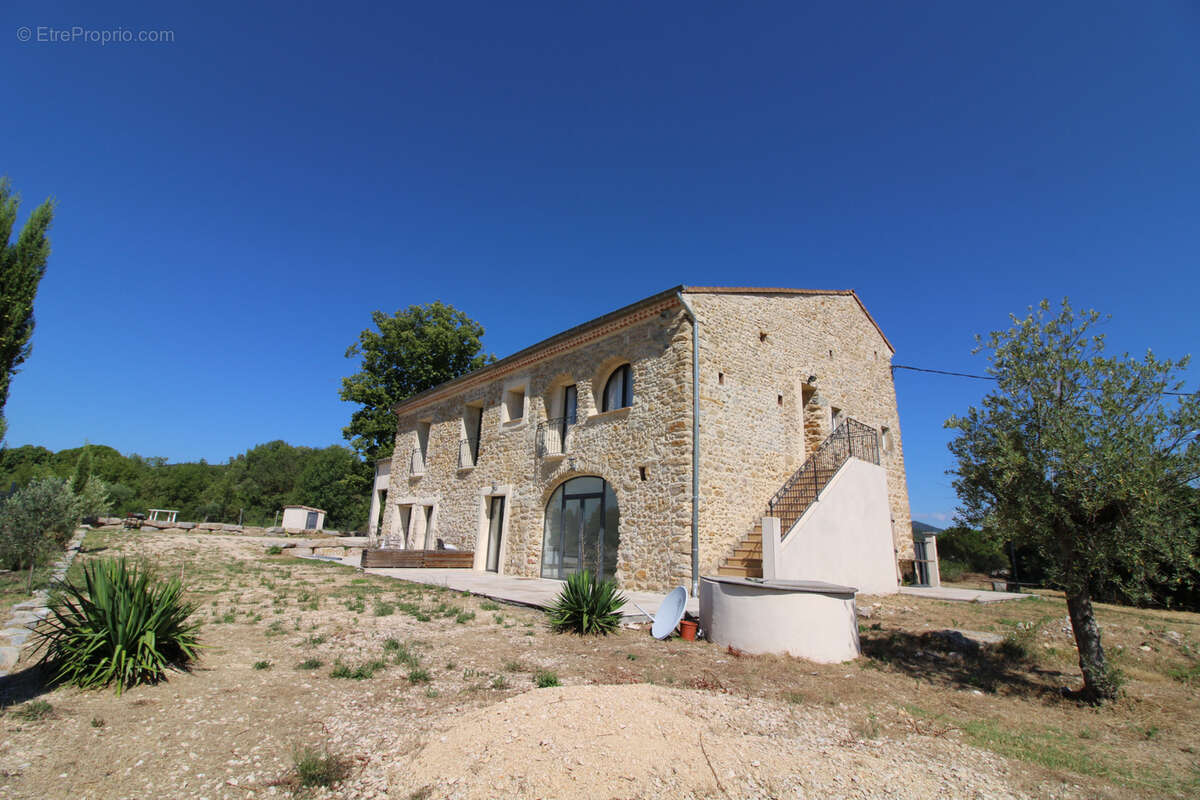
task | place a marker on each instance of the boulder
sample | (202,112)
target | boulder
(187,526)
(209,526)
(275,529)
(231,528)
(253,530)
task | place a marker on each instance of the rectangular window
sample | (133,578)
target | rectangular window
(421,451)
(514,404)
(468,447)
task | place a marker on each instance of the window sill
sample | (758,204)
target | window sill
(555,456)
(513,424)
(618,413)
(467,468)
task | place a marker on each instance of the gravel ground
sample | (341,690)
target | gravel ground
(474,727)
(639,741)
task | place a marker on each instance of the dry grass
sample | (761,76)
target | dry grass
(228,724)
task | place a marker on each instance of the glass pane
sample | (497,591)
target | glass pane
(570,404)
(593,528)
(497,520)
(570,540)
(613,391)
(611,536)
(552,537)
(585,485)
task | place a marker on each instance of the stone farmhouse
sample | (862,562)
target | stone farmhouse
(703,430)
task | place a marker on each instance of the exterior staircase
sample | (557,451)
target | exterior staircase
(851,439)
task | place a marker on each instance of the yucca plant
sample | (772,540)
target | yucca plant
(586,605)
(121,626)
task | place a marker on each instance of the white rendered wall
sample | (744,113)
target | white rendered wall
(845,537)
(818,625)
(295,518)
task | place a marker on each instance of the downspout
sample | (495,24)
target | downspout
(695,442)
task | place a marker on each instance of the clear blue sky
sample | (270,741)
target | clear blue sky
(233,205)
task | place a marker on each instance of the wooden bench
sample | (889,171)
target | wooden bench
(417,559)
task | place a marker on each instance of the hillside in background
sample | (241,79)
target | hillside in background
(251,487)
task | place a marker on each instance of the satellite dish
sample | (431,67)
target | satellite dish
(669,613)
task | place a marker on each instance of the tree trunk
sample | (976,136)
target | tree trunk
(1098,683)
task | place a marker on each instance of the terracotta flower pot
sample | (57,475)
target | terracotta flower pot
(687,629)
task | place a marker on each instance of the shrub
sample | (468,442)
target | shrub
(39,516)
(313,768)
(544,679)
(309,663)
(261,665)
(34,710)
(418,675)
(973,549)
(587,606)
(123,625)
(274,550)
(951,570)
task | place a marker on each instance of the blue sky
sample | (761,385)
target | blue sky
(232,205)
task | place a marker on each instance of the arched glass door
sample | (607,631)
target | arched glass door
(581,529)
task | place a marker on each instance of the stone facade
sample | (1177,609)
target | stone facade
(759,416)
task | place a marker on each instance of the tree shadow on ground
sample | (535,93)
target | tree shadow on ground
(955,662)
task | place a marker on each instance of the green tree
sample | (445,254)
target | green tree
(1085,457)
(83,471)
(337,480)
(411,351)
(39,515)
(22,265)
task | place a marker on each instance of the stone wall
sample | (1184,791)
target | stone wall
(757,349)
(757,352)
(651,436)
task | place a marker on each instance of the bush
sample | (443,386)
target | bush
(123,625)
(587,606)
(41,515)
(274,550)
(973,549)
(313,768)
(951,570)
(544,679)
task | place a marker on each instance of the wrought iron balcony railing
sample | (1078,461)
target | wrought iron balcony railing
(468,453)
(554,436)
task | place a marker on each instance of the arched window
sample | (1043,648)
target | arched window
(618,392)
(581,529)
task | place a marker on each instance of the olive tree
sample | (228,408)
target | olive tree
(41,515)
(1088,458)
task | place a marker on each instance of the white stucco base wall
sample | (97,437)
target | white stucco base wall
(844,538)
(808,619)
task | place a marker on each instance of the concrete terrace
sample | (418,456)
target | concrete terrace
(533,592)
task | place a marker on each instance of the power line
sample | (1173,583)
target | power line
(945,372)
(993,377)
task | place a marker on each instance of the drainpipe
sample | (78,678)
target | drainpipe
(695,442)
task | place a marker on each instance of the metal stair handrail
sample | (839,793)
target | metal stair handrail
(851,439)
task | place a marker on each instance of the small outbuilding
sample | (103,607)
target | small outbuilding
(303,518)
